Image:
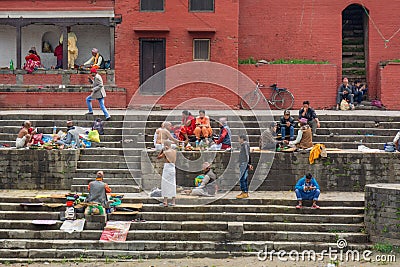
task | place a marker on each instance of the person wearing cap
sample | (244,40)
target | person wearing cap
(98,190)
(307,188)
(304,136)
(312,119)
(224,140)
(69,137)
(96,61)
(98,92)
(208,186)
(287,124)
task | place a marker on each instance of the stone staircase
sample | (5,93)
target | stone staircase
(353,49)
(193,228)
(117,149)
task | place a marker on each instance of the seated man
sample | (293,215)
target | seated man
(98,190)
(345,91)
(162,134)
(224,141)
(208,186)
(203,127)
(69,137)
(96,61)
(287,124)
(188,126)
(308,113)
(304,136)
(358,91)
(24,136)
(307,188)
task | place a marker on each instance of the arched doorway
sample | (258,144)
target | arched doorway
(354,43)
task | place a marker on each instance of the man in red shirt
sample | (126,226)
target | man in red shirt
(188,126)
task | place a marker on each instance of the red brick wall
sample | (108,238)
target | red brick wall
(389,77)
(7,79)
(42,79)
(312,30)
(179,42)
(306,82)
(57,100)
(56,5)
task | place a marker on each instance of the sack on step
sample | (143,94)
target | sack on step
(94,136)
(344,105)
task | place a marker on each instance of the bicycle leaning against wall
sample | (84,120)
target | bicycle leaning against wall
(281,98)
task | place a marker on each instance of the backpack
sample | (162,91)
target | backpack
(98,125)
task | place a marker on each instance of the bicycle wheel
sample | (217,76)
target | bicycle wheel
(250,100)
(283,99)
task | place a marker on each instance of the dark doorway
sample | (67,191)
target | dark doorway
(354,43)
(152,61)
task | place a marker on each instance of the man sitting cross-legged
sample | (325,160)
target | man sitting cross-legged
(203,127)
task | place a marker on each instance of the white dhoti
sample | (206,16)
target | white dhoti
(168,181)
(20,142)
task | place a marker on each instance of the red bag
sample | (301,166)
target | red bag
(37,138)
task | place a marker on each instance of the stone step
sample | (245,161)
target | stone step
(242,217)
(109,181)
(182,235)
(143,198)
(138,250)
(253,209)
(109,173)
(109,165)
(205,226)
(110,152)
(106,157)
(125,187)
(211,208)
(298,217)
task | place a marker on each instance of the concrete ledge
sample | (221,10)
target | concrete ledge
(382,213)
(37,169)
(345,170)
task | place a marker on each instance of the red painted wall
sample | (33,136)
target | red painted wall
(306,82)
(312,30)
(60,100)
(389,77)
(179,42)
(57,5)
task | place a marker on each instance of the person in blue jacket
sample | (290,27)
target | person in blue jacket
(307,188)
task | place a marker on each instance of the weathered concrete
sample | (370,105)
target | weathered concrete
(382,212)
(340,171)
(37,169)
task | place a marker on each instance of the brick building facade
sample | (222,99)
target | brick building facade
(144,37)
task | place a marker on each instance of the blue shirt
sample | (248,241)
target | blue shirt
(302,182)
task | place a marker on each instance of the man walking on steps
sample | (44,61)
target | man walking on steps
(307,188)
(98,92)
(244,166)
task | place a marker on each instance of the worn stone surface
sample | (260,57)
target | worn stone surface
(37,169)
(340,171)
(382,212)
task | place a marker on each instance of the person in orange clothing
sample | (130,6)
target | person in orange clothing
(203,127)
(188,126)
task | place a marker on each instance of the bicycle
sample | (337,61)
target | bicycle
(281,98)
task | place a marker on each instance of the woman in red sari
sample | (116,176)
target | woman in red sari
(32,61)
(188,126)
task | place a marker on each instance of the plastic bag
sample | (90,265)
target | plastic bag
(344,105)
(87,143)
(94,136)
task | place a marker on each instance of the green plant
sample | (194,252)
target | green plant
(247,61)
(383,247)
(297,61)
(249,248)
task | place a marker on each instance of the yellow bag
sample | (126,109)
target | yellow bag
(94,136)
(344,105)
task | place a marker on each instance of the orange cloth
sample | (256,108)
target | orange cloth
(315,152)
(205,130)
